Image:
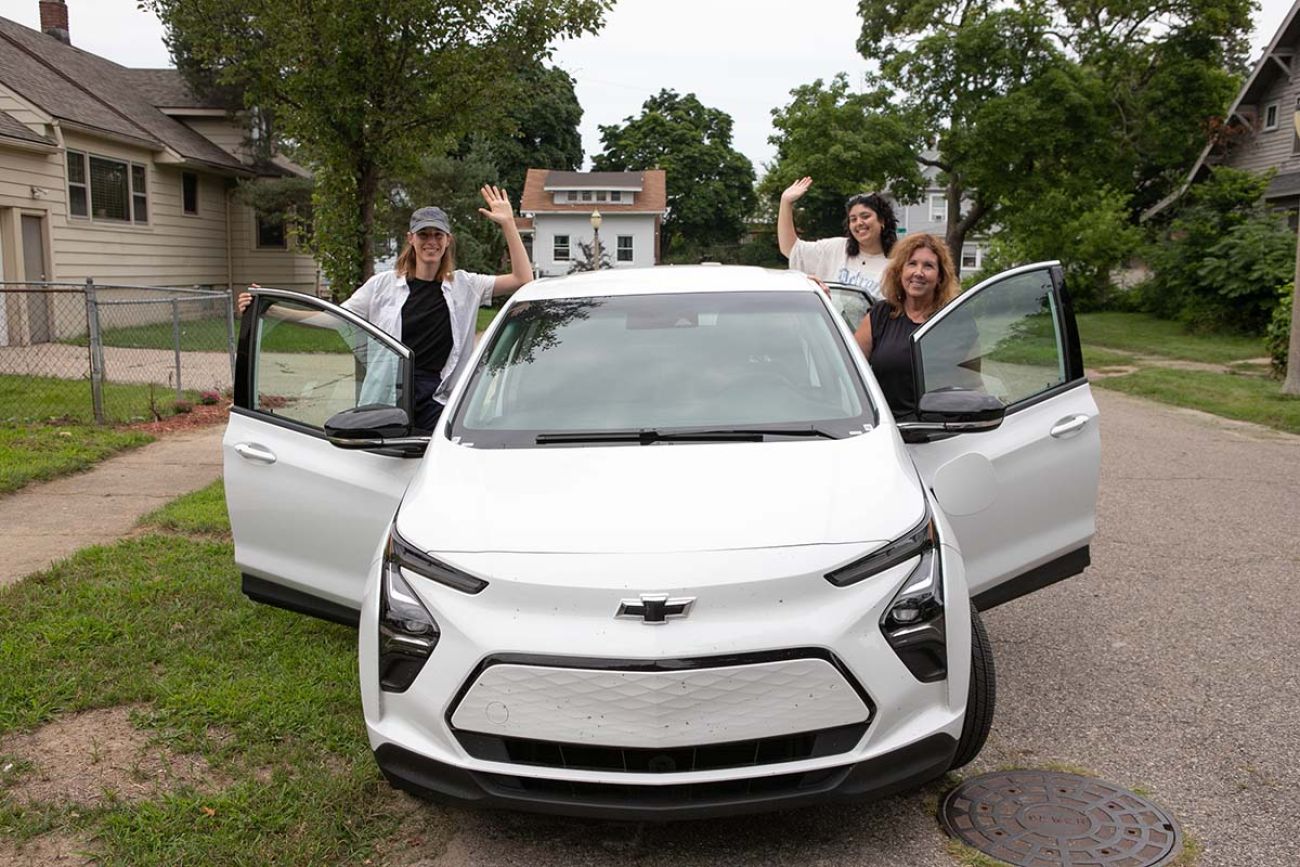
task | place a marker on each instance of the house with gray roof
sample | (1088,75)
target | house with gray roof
(125,176)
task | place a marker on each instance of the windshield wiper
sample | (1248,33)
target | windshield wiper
(648,436)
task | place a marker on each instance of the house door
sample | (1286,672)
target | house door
(38,303)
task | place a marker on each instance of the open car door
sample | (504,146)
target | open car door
(307,516)
(1022,499)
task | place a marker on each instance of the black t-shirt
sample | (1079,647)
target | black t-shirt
(891,358)
(426,326)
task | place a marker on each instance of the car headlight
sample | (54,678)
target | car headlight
(913,622)
(407,631)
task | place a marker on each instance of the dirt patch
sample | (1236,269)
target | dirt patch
(202,415)
(87,757)
(54,849)
(420,840)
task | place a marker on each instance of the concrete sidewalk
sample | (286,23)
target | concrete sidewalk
(46,522)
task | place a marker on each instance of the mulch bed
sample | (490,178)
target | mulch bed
(202,415)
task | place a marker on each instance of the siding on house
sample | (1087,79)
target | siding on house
(223,132)
(639,227)
(1260,150)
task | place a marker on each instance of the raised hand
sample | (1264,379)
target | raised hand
(795,191)
(498,208)
(244,299)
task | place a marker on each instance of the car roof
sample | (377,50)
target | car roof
(662,279)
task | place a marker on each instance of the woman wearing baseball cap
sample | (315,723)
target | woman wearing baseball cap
(432,307)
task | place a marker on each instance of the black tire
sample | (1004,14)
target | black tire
(981,696)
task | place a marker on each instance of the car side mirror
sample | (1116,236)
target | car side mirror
(953,410)
(374,427)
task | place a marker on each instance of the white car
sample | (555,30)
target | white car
(667,553)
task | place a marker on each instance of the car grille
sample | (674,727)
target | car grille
(708,757)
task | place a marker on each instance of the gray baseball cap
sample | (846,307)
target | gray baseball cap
(430,218)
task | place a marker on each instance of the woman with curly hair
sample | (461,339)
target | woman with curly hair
(919,279)
(857,259)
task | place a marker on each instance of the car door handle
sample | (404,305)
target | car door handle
(1067,426)
(254,452)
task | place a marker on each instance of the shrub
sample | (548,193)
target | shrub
(182,406)
(209,398)
(1278,338)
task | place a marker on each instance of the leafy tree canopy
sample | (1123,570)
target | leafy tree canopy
(542,128)
(363,89)
(710,184)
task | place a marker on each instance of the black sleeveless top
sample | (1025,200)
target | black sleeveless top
(891,358)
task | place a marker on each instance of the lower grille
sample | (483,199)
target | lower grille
(622,795)
(709,757)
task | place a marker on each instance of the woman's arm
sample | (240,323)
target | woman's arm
(863,336)
(499,211)
(785,231)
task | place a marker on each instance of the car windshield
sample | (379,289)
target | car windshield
(662,368)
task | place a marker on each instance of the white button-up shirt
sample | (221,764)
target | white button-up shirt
(380,300)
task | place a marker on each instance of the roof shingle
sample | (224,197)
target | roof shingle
(652,195)
(10,127)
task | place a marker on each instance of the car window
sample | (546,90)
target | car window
(1005,341)
(309,364)
(852,304)
(704,360)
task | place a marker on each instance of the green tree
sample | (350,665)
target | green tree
(710,184)
(363,89)
(543,128)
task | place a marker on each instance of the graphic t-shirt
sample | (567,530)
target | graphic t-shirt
(828,260)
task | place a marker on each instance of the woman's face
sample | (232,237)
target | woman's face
(429,245)
(864,225)
(920,275)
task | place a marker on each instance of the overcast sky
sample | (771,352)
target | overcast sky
(743,62)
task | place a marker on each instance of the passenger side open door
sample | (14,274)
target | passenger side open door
(1022,499)
(307,516)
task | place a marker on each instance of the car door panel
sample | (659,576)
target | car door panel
(307,516)
(1022,497)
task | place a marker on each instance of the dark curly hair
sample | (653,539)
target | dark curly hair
(884,213)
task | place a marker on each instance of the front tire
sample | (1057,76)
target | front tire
(981,695)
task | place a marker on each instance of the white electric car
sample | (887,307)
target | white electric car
(667,553)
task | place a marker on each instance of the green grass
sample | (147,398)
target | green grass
(1096,356)
(485,317)
(34,453)
(202,512)
(1146,335)
(197,335)
(42,398)
(1247,398)
(270,699)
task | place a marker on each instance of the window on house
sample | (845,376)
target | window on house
(190,192)
(1270,116)
(573,195)
(586,195)
(560,249)
(139,202)
(602,196)
(616,196)
(78,191)
(118,190)
(969,258)
(938,208)
(625,248)
(270,233)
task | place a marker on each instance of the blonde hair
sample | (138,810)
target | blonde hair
(891,288)
(406,262)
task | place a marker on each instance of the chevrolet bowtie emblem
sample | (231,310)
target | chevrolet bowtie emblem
(655,608)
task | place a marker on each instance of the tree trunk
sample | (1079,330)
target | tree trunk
(1292,384)
(959,224)
(367,187)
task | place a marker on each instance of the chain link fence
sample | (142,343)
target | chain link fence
(111,353)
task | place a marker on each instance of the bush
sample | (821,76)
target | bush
(1222,259)
(181,407)
(1278,338)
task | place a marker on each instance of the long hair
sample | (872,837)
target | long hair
(884,215)
(406,262)
(891,288)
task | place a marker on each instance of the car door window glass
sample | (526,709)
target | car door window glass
(310,364)
(852,304)
(1005,341)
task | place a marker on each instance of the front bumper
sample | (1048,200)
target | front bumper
(898,771)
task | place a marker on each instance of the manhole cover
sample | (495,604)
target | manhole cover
(1045,819)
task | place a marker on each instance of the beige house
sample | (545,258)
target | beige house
(124,176)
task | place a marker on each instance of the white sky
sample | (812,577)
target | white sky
(741,57)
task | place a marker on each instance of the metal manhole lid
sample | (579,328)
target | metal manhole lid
(1046,819)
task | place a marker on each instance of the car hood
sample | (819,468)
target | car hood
(662,498)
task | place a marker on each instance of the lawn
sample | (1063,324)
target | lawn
(196,335)
(269,700)
(35,452)
(1246,398)
(1142,334)
(26,399)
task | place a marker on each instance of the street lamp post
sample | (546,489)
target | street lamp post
(595,244)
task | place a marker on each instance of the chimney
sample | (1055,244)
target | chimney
(54,20)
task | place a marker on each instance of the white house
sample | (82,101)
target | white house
(557,210)
(931,215)
(122,175)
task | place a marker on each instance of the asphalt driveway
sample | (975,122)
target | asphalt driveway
(1170,666)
